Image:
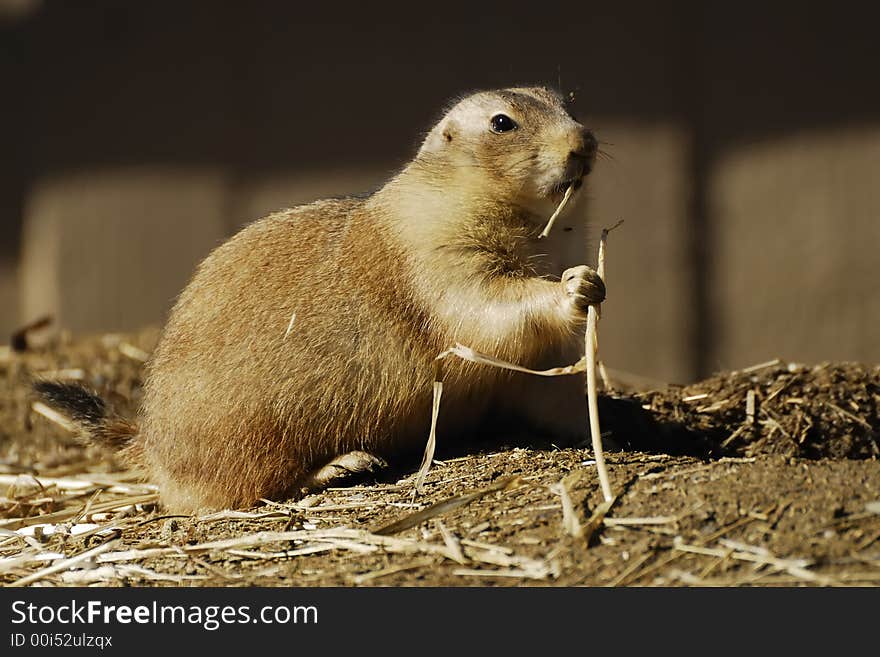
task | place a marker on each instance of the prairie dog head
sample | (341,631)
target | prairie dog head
(519,146)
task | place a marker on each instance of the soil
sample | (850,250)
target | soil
(766,476)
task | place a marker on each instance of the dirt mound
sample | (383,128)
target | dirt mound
(826,411)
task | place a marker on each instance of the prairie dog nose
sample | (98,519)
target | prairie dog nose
(582,154)
(584,146)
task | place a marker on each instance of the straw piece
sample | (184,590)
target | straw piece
(630,522)
(486,546)
(428,456)
(568,192)
(496,558)
(64,564)
(67,373)
(54,416)
(135,353)
(417,518)
(570,523)
(109,573)
(451,542)
(591,346)
(290,325)
(473,356)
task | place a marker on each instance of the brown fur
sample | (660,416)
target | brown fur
(236,409)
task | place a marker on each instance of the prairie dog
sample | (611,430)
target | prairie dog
(304,344)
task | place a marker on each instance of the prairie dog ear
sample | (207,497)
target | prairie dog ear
(441,135)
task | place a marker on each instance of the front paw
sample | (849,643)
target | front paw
(583,287)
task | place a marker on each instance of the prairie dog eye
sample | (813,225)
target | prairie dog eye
(502,123)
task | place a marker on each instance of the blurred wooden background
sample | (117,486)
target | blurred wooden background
(745,140)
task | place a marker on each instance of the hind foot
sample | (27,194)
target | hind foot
(340,468)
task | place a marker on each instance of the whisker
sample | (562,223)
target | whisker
(517,163)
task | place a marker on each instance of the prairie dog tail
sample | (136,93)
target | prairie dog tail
(89,413)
